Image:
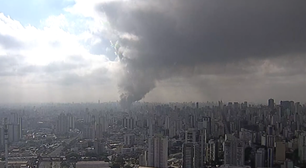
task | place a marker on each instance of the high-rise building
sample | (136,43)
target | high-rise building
(270,141)
(288,164)
(191,135)
(62,124)
(191,121)
(202,146)
(270,157)
(212,151)
(1,137)
(191,155)
(233,151)
(128,122)
(207,125)
(167,122)
(101,127)
(14,127)
(286,107)
(236,106)
(158,151)
(129,139)
(70,121)
(271,103)
(302,147)
(89,131)
(99,146)
(13,133)
(143,159)
(280,154)
(260,158)
(270,130)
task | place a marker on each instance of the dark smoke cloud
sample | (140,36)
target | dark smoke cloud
(177,37)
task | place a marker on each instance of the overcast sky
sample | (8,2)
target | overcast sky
(152,50)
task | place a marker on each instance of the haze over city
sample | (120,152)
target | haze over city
(152,84)
(158,51)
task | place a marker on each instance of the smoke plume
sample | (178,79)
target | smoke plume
(160,39)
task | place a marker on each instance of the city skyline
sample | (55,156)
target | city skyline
(153,51)
(198,135)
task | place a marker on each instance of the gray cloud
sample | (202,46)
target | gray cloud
(97,77)
(177,36)
(51,67)
(9,65)
(9,42)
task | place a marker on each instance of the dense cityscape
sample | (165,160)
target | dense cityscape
(187,135)
(152,84)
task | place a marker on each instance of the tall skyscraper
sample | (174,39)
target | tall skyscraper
(286,107)
(1,137)
(70,121)
(62,124)
(89,131)
(270,141)
(280,154)
(191,155)
(270,157)
(207,125)
(233,151)
(302,147)
(260,158)
(191,121)
(101,126)
(13,133)
(158,151)
(167,122)
(211,151)
(128,122)
(143,159)
(202,146)
(191,135)
(271,103)
(14,127)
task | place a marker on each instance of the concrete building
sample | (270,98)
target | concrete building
(191,155)
(1,137)
(62,124)
(13,133)
(101,127)
(260,158)
(191,136)
(270,140)
(233,151)
(128,122)
(14,127)
(287,164)
(71,121)
(143,159)
(158,151)
(270,157)
(211,151)
(89,131)
(246,135)
(302,147)
(280,154)
(271,103)
(129,139)
(207,125)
